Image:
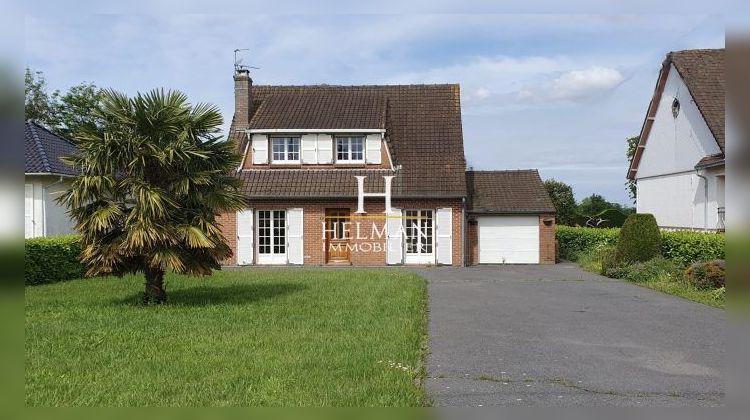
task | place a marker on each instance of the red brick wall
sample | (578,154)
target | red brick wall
(547,239)
(314,211)
(472,242)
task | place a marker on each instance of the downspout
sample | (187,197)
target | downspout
(463,231)
(705,198)
(44,204)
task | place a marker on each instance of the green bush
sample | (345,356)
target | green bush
(707,274)
(653,269)
(53,259)
(573,241)
(640,239)
(682,247)
(686,248)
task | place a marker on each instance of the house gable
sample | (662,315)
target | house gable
(673,144)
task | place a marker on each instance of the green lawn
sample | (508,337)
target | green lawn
(268,337)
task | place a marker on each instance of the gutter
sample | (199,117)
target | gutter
(463,232)
(705,198)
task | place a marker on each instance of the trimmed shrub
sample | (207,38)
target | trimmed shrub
(640,239)
(686,248)
(53,259)
(573,241)
(707,274)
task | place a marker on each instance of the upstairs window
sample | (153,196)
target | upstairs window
(350,149)
(285,149)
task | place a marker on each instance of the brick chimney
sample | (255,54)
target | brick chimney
(243,98)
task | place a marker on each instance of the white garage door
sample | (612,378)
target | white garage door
(508,239)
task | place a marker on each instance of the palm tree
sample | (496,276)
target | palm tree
(152,180)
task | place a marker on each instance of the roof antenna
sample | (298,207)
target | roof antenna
(238,66)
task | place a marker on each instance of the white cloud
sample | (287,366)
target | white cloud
(578,84)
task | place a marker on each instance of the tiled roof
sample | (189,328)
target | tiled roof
(507,192)
(43,150)
(311,183)
(423,133)
(704,74)
(320,108)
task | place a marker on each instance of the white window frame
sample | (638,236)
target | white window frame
(349,140)
(287,141)
(274,222)
(419,257)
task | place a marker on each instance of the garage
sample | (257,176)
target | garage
(508,239)
(511,218)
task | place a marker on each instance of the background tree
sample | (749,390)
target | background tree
(154,176)
(37,102)
(65,114)
(565,203)
(630,184)
(593,204)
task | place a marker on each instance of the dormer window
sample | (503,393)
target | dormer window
(285,149)
(350,149)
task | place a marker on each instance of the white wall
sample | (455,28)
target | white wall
(667,183)
(679,201)
(47,217)
(676,144)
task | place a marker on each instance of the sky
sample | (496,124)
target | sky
(559,93)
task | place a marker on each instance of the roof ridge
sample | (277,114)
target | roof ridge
(38,143)
(326,85)
(502,170)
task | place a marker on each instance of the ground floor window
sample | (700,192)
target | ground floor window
(419,232)
(271,232)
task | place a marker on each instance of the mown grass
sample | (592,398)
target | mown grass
(258,337)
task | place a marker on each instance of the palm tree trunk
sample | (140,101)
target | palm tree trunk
(154,292)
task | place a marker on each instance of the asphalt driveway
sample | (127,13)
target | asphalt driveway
(556,335)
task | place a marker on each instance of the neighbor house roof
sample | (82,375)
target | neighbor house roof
(507,192)
(422,131)
(43,150)
(702,70)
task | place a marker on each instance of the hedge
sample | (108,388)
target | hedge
(686,248)
(572,241)
(682,247)
(53,259)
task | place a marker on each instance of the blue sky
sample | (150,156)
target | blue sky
(555,92)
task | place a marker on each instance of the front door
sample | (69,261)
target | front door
(337,236)
(272,237)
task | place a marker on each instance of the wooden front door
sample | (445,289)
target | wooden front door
(337,236)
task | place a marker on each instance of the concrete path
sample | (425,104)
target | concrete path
(558,336)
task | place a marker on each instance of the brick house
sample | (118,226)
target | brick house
(318,161)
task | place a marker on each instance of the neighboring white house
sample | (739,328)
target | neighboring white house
(46,177)
(679,163)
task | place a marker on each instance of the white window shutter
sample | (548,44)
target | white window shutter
(373,148)
(394,238)
(310,148)
(260,149)
(245,234)
(295,251)
(444,226)
(325,148)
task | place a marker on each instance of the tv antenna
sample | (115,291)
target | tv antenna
(238,62)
